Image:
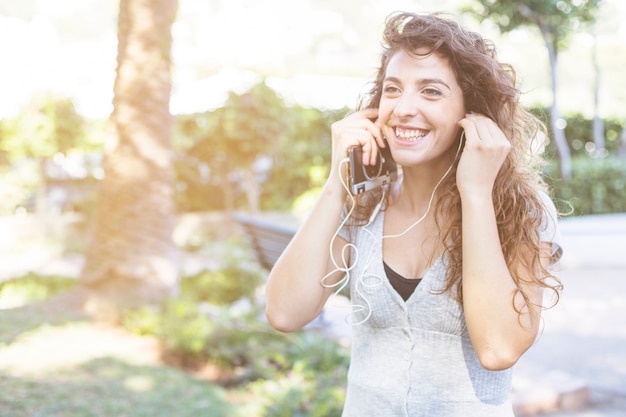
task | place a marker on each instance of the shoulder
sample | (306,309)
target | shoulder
(549,230)
(547,202)
(548,213)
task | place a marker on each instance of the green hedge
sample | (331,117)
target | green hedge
(597,186)
(579,132)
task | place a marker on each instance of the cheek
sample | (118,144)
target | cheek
(385,110)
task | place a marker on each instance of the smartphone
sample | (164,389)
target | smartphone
(364,178)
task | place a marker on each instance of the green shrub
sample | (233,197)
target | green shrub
(233,340)
(314,386)
(597,186)
(223,286)
(32,287)
(215,320)
(237,277)
(295,374)
(579,132)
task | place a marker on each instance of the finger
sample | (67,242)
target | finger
(380,139)
(374,154)
(484,127)
(489,132)
(372,137)
(370,113)
(372,125)
(496,132)
(364,115)
(368,152)
(471,131)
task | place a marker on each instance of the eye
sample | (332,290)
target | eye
(432,92)
(391,90)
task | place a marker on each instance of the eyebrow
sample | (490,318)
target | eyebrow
(422,81)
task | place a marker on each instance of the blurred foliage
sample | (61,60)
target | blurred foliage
(110,386)
(46,131)
(314,386)
(292,374)
(31,287)
(597,186)
(218,152)
(228,143)
(303,159)
(17,186)
(47,126)
(237,277)
(264,372)
(558,18)
(579,132)
(255,135)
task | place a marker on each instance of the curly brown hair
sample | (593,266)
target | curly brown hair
(489,88)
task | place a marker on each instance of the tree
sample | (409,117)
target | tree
(210,168)
(598,123)
(604,27)
(48,125)
(131,256)
(252,126)
(556,20)
(236,139)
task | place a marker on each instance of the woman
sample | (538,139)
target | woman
(447,267)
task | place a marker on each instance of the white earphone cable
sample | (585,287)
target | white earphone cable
(364,279)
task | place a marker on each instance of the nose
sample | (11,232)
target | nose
(407,106)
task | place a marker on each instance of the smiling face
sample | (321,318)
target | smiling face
(420,106)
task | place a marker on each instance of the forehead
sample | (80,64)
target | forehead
(420,65)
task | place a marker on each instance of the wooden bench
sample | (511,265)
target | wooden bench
(268,239)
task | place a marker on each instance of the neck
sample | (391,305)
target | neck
(418,186)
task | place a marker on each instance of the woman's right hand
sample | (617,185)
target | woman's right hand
(357,129)
(294,292)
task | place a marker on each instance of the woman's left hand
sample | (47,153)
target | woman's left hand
(485,150)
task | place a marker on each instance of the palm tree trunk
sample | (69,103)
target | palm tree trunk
(132,255)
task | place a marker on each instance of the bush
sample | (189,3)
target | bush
(295,374)
(579,132)
(236,276)
(31,287)
(597,186)
(307,391)
(223,286)
(233,338)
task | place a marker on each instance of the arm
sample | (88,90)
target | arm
(499,334)
(490,297)
(294,292)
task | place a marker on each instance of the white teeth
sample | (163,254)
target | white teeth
(410,135)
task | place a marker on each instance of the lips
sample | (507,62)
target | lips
(410,135)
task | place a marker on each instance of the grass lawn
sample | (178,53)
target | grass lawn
(54,362)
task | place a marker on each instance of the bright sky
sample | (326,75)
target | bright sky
(48,53)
